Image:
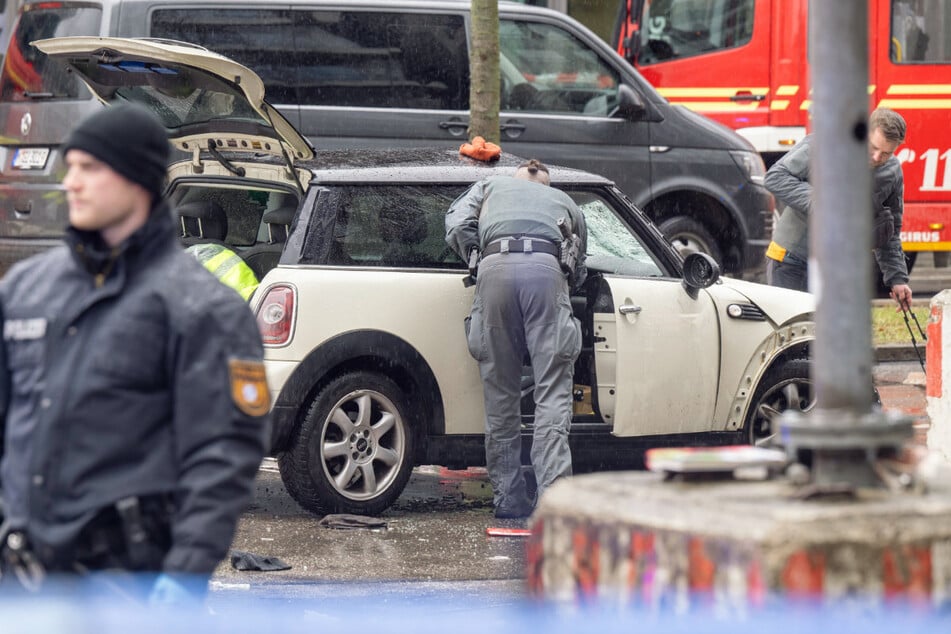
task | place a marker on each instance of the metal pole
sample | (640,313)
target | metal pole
(841,229)
(845,433)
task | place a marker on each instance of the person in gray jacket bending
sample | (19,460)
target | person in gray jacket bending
(522,304)
(788,180)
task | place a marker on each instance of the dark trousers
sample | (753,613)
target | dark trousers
(790,273)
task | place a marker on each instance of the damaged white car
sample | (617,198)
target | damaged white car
(361,304)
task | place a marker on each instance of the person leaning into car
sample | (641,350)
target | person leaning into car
(132,388)
(788,180)
(521,305)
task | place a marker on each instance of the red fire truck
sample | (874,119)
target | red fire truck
(744,64)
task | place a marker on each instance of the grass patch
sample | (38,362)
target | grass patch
(888,325)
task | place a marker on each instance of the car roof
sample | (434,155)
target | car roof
(425,165)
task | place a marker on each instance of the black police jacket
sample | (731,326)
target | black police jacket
(129,372)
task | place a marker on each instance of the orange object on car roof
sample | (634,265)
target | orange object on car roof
(481,149)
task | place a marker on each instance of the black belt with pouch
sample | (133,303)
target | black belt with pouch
(521,245)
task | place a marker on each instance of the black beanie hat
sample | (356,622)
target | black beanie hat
(129,139)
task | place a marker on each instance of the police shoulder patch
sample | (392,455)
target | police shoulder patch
(249,386)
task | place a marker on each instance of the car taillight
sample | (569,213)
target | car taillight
(275,315)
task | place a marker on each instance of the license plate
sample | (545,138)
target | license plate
(31,158)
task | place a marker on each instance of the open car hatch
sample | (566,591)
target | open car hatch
(202,98)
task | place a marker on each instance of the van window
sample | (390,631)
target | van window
(257,38)
(673,29)
(920,32)
(27,73)
(546,69)
(382,60)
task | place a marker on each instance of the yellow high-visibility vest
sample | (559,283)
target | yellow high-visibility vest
(227,266)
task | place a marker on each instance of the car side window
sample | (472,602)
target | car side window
(547,69)
(381,59)
(393,226)
(256,38)
(612,246)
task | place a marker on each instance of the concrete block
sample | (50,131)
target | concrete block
(630,538)
(938,375)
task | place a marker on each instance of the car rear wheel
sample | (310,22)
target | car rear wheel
(353,452)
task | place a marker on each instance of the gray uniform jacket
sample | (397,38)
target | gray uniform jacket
(788,181)
(502,206)
(145,379)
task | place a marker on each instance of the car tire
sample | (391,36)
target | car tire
(353,452)
(787,387)
(689,236)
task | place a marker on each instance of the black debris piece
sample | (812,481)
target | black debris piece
(241,560)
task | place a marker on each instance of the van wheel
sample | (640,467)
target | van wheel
(689,236)
(353,453)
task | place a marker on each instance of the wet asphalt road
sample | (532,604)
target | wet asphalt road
(434,545)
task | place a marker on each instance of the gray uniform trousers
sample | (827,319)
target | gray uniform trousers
(522,303)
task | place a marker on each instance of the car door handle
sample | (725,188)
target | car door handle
(448,125)
(747,96)
(628,309)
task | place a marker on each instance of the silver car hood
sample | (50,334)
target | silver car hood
(781,305)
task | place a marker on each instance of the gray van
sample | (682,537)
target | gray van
(395,74)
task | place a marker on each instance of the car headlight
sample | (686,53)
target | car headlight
(750,164)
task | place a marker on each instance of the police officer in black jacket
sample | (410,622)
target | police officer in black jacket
(132,390)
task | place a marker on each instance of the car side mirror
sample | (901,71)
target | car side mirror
(700,271)
(630,105)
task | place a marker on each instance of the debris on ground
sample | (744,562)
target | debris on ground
(241,560)
(348,521)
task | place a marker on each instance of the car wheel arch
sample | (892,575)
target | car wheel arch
(787,343)
(369,350)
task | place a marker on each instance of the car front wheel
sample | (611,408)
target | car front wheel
(787,387)
(353,452)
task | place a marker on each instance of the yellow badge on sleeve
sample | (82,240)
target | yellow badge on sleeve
(249,386)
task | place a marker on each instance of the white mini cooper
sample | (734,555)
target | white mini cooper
(361,304)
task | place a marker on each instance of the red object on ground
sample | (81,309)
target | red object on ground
(495,531)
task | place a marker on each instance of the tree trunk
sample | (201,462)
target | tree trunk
(484,62)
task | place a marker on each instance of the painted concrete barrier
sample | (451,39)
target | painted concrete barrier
(629,538)
(938,375)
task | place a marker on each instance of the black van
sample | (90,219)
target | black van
(395,74)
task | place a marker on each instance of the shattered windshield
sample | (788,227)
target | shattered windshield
(612,246)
